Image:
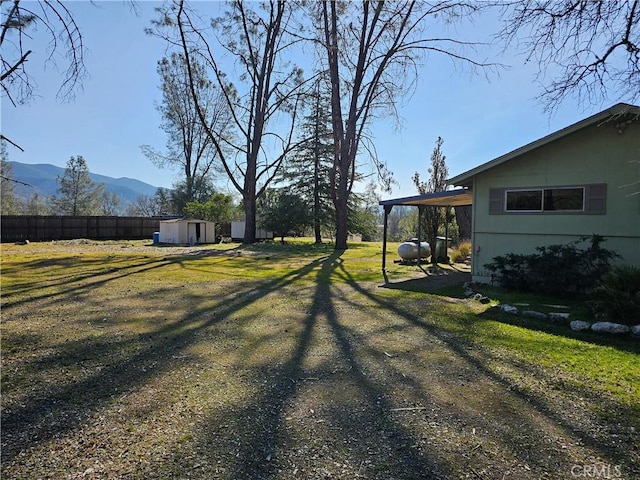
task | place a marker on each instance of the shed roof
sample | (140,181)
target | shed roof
(183,220)
(449,198)
(466,179)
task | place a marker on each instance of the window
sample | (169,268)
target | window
(565,199)
(524,200)
(590,199)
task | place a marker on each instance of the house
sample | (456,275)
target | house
(187,231)
(578,181)
(581,180)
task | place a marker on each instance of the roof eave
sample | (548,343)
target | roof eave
(466,179)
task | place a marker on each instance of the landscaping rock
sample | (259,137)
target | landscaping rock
(509,309)
(481,298)
(609,327)
(580,325)
(635,330)
(534,314)
(558,316)
(468,292)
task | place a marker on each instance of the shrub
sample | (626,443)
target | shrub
(461,252)
(617,297)
(555,269)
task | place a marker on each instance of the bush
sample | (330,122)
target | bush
(617,297)
(555,269)
(461,252)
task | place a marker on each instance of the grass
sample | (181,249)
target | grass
(123,360)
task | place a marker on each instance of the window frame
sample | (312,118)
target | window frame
(593,200)
(543,199)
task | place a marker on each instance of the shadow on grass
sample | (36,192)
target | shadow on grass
(259,439)
(443,282)
(562,328)
(354,429)
(451,285)
(80,275)
(46,412)
(481,360)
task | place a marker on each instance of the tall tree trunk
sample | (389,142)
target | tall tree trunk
(316,198)
(341,224)
(250,221)
(316,171)
(249,198)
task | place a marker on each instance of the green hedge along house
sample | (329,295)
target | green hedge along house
(581,180)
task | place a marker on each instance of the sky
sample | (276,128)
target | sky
(479,117)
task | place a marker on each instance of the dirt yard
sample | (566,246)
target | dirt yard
(131,361)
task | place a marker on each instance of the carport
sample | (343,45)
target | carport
(451,198)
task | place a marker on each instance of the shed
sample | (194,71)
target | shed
(238,226)
(187,231)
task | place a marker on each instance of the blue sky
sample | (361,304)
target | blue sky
(114,113)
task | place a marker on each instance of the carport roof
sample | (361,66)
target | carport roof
(450,198)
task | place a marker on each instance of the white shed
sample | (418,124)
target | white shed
(237,231)
(187,231)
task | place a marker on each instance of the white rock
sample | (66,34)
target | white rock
(609,327)
(534,314)
(558,315)
(509,309)
(579,325)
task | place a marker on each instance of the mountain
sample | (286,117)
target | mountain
(43,178)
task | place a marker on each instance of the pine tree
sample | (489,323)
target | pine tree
(433,217)
(78,194)
(8,200)
(306,172)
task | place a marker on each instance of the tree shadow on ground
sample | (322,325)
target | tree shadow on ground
(340,411)
(115,365)
(292,427)
(482,362)
(624,342)
(433,283)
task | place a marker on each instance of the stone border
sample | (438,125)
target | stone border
(576,325)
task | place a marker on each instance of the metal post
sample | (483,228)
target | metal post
(446,231)
(387,210)
(420,213)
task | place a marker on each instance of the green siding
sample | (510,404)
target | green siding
(595,154)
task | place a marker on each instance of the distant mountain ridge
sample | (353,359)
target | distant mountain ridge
(43,178)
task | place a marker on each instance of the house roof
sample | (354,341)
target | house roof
(449,198)
(466,179)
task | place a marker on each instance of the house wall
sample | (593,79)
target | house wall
(593,155)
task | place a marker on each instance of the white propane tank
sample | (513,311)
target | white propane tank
(409,250)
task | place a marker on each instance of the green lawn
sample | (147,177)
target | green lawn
(124,360)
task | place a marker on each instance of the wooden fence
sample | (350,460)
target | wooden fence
(37,228)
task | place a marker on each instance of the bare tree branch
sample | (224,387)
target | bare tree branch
(262,99)
(63,32)
(586,49)
(371,51)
